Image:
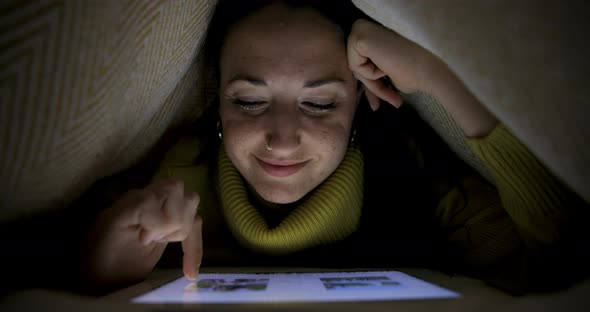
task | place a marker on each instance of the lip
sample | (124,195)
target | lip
(281,168)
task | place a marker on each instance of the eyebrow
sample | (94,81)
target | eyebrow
(321,82)
(251,79)
(309,84)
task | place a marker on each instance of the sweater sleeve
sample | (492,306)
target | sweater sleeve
(533,198)
(526,231)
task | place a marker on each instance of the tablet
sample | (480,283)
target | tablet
(295,287)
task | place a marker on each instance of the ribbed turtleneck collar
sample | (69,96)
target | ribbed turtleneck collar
(329,214)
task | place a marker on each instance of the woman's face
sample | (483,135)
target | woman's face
(287,100)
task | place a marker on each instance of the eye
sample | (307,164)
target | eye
(250,105)
(318,108)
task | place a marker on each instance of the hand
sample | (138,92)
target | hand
(377,54)
(129,237)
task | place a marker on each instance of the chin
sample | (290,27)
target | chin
(279,196)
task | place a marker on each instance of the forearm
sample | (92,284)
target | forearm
(544,209)
(450,92)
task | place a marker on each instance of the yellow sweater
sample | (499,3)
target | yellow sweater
(482,223)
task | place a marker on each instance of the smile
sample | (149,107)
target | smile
(281,169)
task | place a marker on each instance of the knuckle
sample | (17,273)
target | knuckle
(198,220)
(358,24)
(193,197)
(142,196)
(179,236)
(149,197)
(363,23)
(361,44)
(171,223)
(176,183)
(172,184)
(184,233)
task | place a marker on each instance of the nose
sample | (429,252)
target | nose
(284,132)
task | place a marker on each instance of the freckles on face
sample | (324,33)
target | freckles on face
(332,144)
(319,143)
(286,106)
(242,136)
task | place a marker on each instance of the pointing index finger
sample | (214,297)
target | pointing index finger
(192,247)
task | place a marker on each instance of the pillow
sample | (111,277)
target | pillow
(527,63)
(87,88)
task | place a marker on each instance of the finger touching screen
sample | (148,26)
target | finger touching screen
(296,287)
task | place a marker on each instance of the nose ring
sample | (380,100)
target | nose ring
(268,147)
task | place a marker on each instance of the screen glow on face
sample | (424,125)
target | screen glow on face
(295,287)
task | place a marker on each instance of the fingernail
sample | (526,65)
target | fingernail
(395,103)
(375,109)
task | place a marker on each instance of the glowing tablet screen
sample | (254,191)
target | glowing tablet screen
(295,287)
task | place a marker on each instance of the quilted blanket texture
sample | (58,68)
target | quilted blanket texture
(88,87)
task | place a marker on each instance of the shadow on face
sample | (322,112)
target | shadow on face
(287,100)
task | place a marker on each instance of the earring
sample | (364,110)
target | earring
(353,135)
(219,131)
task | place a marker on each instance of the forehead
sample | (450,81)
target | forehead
(284,39)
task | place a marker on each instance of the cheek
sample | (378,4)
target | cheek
(332,143)
(338,139)
(239,136)
(332,140)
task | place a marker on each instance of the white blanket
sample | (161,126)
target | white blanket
(527,61)
(89,87)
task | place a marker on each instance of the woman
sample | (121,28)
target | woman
(308,173)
